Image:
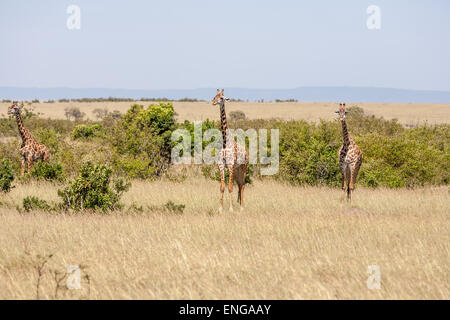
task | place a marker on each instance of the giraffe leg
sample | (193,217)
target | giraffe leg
(346,192)
(29,164)
(350,185)
(344,187)
(241,194)
(342,169)
(354,174)
(356,171)
(230,187)
(349,193)
(222,186)
(22,165)
(238,182)
(243,173)
(347,179)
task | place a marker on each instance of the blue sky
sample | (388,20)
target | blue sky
(175,44)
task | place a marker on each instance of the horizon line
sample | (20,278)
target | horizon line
(243,88)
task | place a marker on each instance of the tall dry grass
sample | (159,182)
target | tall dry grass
(407,113)
(289,243)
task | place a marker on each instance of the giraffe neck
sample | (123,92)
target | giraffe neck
(345,133)
(223,123)
(24,133)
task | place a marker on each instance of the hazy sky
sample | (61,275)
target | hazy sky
(180,44)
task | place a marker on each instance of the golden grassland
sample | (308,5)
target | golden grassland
(289,243)
(407,113)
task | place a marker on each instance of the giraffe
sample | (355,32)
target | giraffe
(232,155)
(30,150)
(350,156)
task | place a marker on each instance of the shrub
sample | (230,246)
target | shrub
(6,175)
(135,167)
(160,117)
(237,115)
(9,152)
(308,153)
(51,139)
(28,113)
(143,136)
(103,113)
(115,114)
(34,203)
(138,145)
(287,100)
(93,189)
(86,131)
(100,113)
(169,206)
(47,171)
(393,156)
(206,124)
(74,112)
(403,160)
(188,100)
(173,207)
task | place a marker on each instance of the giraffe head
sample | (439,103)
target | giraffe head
(341,112)
(219,98)
(14,108)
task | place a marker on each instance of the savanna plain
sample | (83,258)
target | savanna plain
(290,242)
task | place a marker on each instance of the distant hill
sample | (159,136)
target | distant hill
(307,94)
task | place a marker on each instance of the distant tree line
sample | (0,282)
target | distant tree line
(113,99)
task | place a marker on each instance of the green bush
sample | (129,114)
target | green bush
(6,175)
(93,189)
(173,207)
(86,131)
(8,126)
(137,145)
(169,206)
(308,153)
(47,171)
(51,139)
(134,167)
(10,150)
(141,140)
(393,156)
(206,125)
(160,117)
(34,203)
(403,160)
